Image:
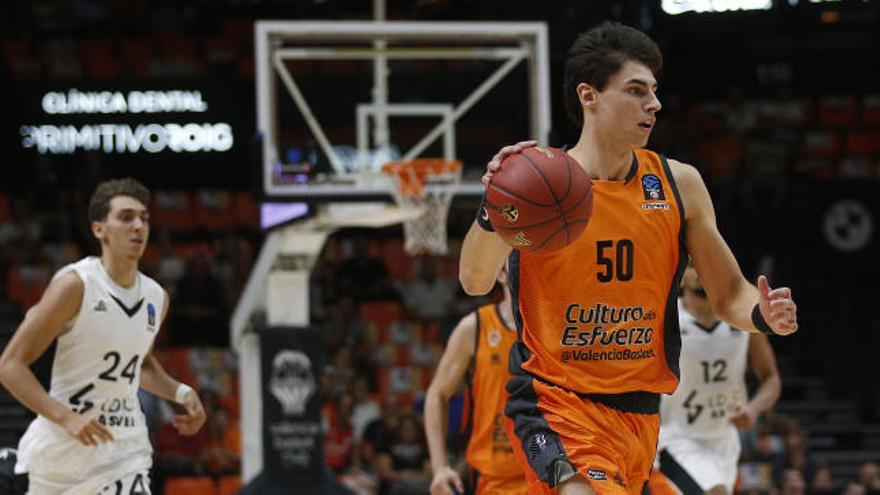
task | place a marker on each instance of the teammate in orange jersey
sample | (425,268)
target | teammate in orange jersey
(478,349)
(597,320)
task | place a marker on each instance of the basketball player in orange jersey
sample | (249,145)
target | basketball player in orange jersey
(477,349)
(597,320)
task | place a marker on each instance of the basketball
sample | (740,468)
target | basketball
(540,200)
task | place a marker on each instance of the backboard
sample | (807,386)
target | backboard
(337,100)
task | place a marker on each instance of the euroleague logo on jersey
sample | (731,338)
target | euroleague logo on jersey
(151,317)
(655,198)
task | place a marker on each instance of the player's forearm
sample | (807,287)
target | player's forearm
(157,381)
(435,429)
(736,310)
(482,256)
(20,381)
(767,393)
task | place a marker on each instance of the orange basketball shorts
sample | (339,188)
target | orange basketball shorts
(610,443)
(494,485)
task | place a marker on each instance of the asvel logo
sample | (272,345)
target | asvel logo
(151,315)
(653,188)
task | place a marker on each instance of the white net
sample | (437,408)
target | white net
(426,184)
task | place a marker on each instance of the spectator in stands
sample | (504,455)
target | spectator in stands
(324,280)
(28,278)
(792,483)
(178,455)
(365,409)
(339,443)
(740,114)
(822,482)
(343,326)
(232,264)
(200,315)
(341,371)
(869,477)
(429,296)
(404,469)
(364,276)
(379,433)
(59,249)
(854,488)
(170,267)
(223,453)
(796,458)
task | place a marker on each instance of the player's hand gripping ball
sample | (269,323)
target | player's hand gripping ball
(539,200)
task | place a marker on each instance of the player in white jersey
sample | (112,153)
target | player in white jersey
(699,445)
(90,435)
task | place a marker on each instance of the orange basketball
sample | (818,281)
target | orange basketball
(539,200)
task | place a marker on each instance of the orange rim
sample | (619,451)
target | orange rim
(411,174)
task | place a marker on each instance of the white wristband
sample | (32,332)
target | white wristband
(182,390)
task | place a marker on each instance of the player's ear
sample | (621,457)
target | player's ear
(98,230)
(586,95)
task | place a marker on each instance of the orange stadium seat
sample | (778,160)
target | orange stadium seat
(5,208)
(201,485)
(213,210)
(871,109)
(247,211)
(861,143)
(137,56)
(184,249)
(392,253)
(381,311)
(818,168)
(26,285)
(855,167)
(837,110)
(176,362)
(722,155)
(98,59)
(172,209)
(219,50)
(60,59)
(821,143)
(239,30)
(20,59)
(229,485)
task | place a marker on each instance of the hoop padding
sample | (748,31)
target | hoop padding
(427,184)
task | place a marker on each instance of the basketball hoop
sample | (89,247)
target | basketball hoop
(426,184)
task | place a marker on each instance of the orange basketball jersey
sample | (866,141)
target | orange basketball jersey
(489,450)
(600,316)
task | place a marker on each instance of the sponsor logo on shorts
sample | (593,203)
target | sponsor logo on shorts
(597,475)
